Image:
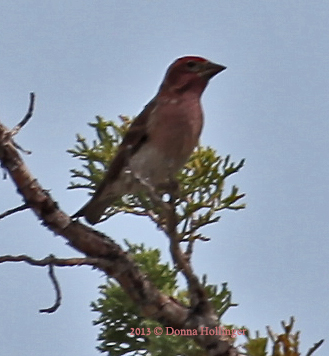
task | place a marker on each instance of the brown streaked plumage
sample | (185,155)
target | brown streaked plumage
(160,139)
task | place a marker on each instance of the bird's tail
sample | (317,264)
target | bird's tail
(93,210)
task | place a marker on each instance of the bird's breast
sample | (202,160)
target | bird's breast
(173,131)
(175,126)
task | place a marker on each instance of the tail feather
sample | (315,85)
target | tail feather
(93,210)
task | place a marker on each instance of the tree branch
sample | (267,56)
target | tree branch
(314,347)
(26,118)
(8,135)
(112,259)
(200,304)
(13,211)
(58,299)
(51,260)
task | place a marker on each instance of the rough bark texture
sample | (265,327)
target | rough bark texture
(110,257)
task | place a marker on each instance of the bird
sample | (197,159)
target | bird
(161,138)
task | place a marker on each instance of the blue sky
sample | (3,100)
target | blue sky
(270,106)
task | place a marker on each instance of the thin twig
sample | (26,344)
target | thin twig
(271,334)
(51,260)
(14,210)
(189,248)
(154,218)
(58,293)
(9,134)
(26,118)
(314,347)
(28,152)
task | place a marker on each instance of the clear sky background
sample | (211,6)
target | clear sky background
(104,57)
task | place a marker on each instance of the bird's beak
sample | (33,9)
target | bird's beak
(211,69)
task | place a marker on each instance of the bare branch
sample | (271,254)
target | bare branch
(189,248)
(271,334)
(26,118)
(14,210)
(314,347)
(58,299)
(7,135)
(51,260)
(28,152)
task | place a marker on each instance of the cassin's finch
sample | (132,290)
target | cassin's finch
(161,138)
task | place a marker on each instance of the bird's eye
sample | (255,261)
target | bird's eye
(191,64)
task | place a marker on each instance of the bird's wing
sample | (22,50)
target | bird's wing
(135,137)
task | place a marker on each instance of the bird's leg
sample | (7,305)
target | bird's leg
(172,187)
